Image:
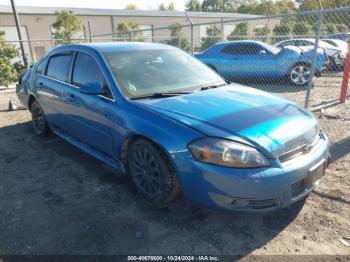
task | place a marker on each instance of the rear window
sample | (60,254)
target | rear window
(59,66)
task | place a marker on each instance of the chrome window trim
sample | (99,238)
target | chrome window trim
(104,75)
(72,67)
(73,86)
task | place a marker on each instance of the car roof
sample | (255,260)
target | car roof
(106,47)
(304,39)
(239,42)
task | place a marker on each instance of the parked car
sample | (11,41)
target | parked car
(341,36)
(338,43)
(254,59)
(335,54)
(171,123)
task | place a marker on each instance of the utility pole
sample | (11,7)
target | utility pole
(15,15)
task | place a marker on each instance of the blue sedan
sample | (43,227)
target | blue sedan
(172,124)
(249,60)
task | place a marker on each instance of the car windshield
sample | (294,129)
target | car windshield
(145,72)
(325,45)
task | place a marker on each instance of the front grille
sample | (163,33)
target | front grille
(297,188)
(302,150)
(262,203)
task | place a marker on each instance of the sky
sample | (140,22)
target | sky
(107,4)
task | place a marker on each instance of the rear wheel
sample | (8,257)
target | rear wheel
(152,173)
(39,122)
(300,74)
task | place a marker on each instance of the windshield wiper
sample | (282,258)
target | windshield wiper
(160,95)
(211,86)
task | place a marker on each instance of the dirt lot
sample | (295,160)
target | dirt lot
(55,199)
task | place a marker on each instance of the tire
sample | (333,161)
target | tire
(152,173)
(300,74)
(39,122)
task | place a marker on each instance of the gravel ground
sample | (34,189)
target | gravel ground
(58,200)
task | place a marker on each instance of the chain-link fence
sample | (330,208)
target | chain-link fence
(299,56)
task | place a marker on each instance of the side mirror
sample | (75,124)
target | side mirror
(91,89)
(33,64)
(262,52)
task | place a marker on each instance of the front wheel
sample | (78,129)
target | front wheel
(40,125)
(152,173)
(300,74)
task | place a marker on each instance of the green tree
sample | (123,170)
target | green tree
(214,35)
(240,30)
(213,5)
(162,7)
(131,7)
(266,7)
(194,5)
(124,32)
(327,28)
(66,26)
(262,31)
(282,30)
(341,28)
(313,4)
(171,6)
(7,52)
(178,37)
(301,28)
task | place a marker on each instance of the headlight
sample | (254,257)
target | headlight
(226,153)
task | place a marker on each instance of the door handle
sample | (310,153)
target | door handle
(41,84)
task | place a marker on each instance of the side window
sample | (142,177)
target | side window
(300,43)
(59,66)
(242,49)
(40,70)
(306,43)
(87,71)
(288,43)
(251,49)
(231,50)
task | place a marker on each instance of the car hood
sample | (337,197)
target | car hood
(306,50)
(241,113)
(298,49)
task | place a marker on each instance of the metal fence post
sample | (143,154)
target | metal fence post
(222,29)
(90,32)
(52,39)
(314,59)
(18,27)
(192,33)
(152,33)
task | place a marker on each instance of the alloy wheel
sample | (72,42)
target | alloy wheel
(300,74)
(38,119)
(146,172)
